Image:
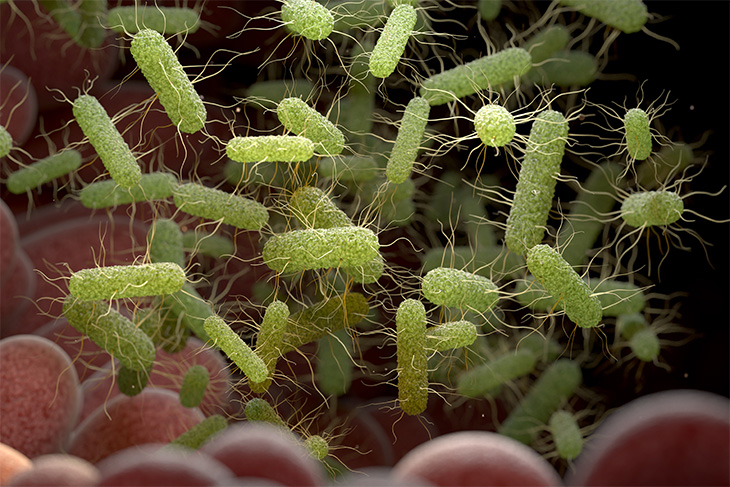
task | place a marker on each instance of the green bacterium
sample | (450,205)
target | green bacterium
(628,16)
(165,242)
(193,386)
(107,141)
(166,76)
(536,183)
(307,18)
(43,171)
(638,134)
(314,209)
(566,435)
(235,348)
(494,125)
(6,142)
(447,336)
(196,436)
(214,204)
(334,364)
(165,20)
(131,382)
(652,208)
(410,322)
(270,148)
(392,42)
(564,284)
(270,339)
(410,134)
(485,379)
(126,281)
(317,446)
(460,289)
(108,194)
(300,118)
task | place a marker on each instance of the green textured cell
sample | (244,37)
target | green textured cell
(546,42)
(475,76)
(325,317)
(108,194)
(585,222)
(494,125)
(483,260)
(638,134)
(563,283)
(627,16)
(314,209)
(270,148)
(645,345)
(193,386)
(566,435)
(112,331)
(166,76)
(321,248)
(196,436)
(348,168)
(536,184)
(485,379)
(107,141)
(214,204)
(191,309)
(6,142)
(459,289)
(208,244)
(392,42)
(652,208)
(410,134)
(165,20)
(259,410)
(554,386)
(126,281)
(307,18)
(300,118)
(334,364)
(131,382)
(235,348)
(359,99)
(446,336)
(317,447)
(410,322)
(43,171)
(165,242)
(270,339)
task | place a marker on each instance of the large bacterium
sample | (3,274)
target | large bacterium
(126,281)
(410,323)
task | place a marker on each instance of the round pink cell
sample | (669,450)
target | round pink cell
(156,466)
(20,104)
(59,470)
(679,437)
(153,416)
(476,458)
(8,240)
(40,395)
(264,451)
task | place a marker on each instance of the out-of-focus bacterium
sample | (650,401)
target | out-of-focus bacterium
(542,45)
(536,184)
(160,324)
(410,134)
(268,93)
(652,208)
(556,384)
(456,288)
(495,125)
(627,16)
(455,334)
(564,284)
(43,171)
(270,148)
(410,322)
(395,3)
(92,31)
(643,341)
(566,434)
(191,309)
(235,348)
(165,20)
(166,242)
(307,18)
(214,204)
(317,447)
(131,382)
(568,69)
(392,42)
(321,248)
(475,76)
(489,9)
(107,141)
(485,379)
(65,14)
(314,209)
(270,339)
(166,76)
(259,410)
(638,134)
(112,331)
(193,386)
(208,244)
(126,281)
(300,118)
(108,194)
(334,364)
(348,168)
(196,436)
(672,159)
(6,141)
(628,324)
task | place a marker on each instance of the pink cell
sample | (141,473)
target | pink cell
(12,463)
(17,293)
(59,470)
(20,104)
(8,240)
(153,416)
(40,395)
(476,458)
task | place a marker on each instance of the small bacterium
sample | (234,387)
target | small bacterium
(300,118)
(92,31)
(392,42)
(317,447)
(643,341)
(447,336)
(214,204)
(235,348)
(652,208)
(193,386)
(43,171)
(107,141)
(489,9)
(494,125)
(638,134)
(410,134)
(270,148)
(108,194)
(460,289)
(166,76)
(196,436)
(566,435)
(485,379)
(412,360)
(307,18)
(165,20)
(191,309)
(126,281)
(542,45)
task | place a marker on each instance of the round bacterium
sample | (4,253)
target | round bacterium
(494,125)
(307,18)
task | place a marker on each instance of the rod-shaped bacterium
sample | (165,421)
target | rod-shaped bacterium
(392,42)
(566,435)
(460,289)
(447,336)
(165,20)
(627,16)
(638,134)
(43,171)
(270,339)
(652,208)
(307,18)
(300,118)
(410,322)
(410,134)
(108,194)
(193,386)
(235,348)
(270,148)
(487,378)
(126,281)
(214,204)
